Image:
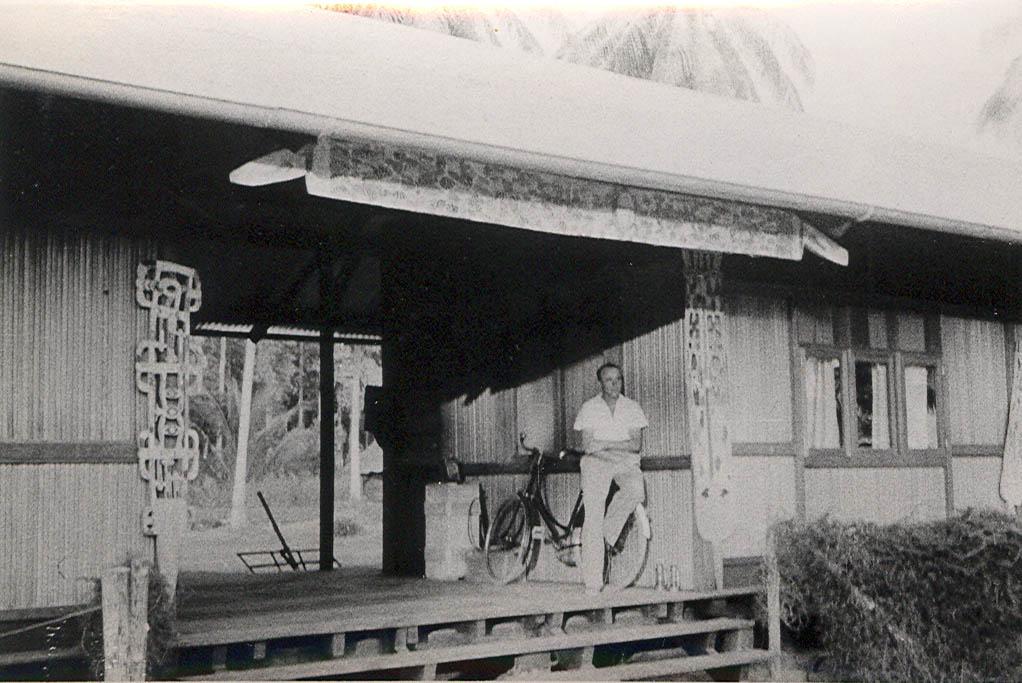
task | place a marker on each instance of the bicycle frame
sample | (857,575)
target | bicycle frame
(534,497)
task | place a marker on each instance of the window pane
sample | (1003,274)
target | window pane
(921,406)
(823,402)
(872,405)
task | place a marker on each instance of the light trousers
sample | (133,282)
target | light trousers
(597,473)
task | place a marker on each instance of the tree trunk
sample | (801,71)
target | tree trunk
(354,456)
(238,515)
(301,387)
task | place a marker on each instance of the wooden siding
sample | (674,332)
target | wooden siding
(816,324)
(68,329)
(483,428)
(882,495)
(973,352)
(760,367)
(537,407)
(60,525)
(67,337)
(579,384)
(654,369)
(977,483)
(766,488)
(911,332)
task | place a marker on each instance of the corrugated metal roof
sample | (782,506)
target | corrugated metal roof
(316,71)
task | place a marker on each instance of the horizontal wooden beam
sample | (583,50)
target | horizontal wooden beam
(68,452)
(783,448)
(934,458)
(486,469)
(845,297)
(426,181)
(977,451)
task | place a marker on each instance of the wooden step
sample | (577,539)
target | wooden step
(663,667)
(486,648)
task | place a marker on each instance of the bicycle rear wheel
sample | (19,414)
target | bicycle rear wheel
(509,548)
(627,558)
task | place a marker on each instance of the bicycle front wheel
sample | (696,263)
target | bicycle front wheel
(627,558)
(509,548)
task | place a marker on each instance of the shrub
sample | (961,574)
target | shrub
(346,527)
(936,601)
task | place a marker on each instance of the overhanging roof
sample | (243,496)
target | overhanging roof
(316,71)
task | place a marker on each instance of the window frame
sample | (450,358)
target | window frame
(927,360)
(850,455)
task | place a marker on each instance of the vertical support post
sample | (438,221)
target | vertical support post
(354,430)
(798,406)
(708,405)
(327,464)
(773,605)
(412,419)
(238,493)
(125,622)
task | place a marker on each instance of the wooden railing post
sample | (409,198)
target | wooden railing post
(125,621)
(773,579)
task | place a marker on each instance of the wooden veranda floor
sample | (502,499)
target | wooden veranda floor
(362,624)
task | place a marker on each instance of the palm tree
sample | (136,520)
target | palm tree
(1002,112)
(496,26)
(741,53)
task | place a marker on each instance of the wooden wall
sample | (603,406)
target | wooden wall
(61,525)
(68,328)
(760,363)
(767,491)
(881,494)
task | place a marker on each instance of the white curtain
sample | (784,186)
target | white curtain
(821,403)
(881,437)
(920,415)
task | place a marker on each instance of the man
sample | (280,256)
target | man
(611,427)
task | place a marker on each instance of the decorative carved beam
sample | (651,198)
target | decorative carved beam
(423,181)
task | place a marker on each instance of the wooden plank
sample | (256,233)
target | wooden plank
(246,609)
(124,622)
(978,451)
(40,656)
(486,649)
(663,667)
(568,465)
(56,452)
(928,458)
(785,449)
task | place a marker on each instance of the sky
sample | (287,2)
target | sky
(922,69)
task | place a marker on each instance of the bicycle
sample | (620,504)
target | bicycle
(524,522)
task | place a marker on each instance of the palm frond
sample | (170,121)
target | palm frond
(1001,112)
(745,54)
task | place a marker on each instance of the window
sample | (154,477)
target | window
(872,387)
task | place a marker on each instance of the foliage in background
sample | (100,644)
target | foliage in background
(284,429)
(936,601)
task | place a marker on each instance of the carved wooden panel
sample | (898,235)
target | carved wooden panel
(165,365)
(709,397)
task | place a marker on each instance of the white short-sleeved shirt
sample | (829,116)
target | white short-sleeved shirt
(595,415)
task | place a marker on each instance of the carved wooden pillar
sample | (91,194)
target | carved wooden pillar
(708,403)
(165,366)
